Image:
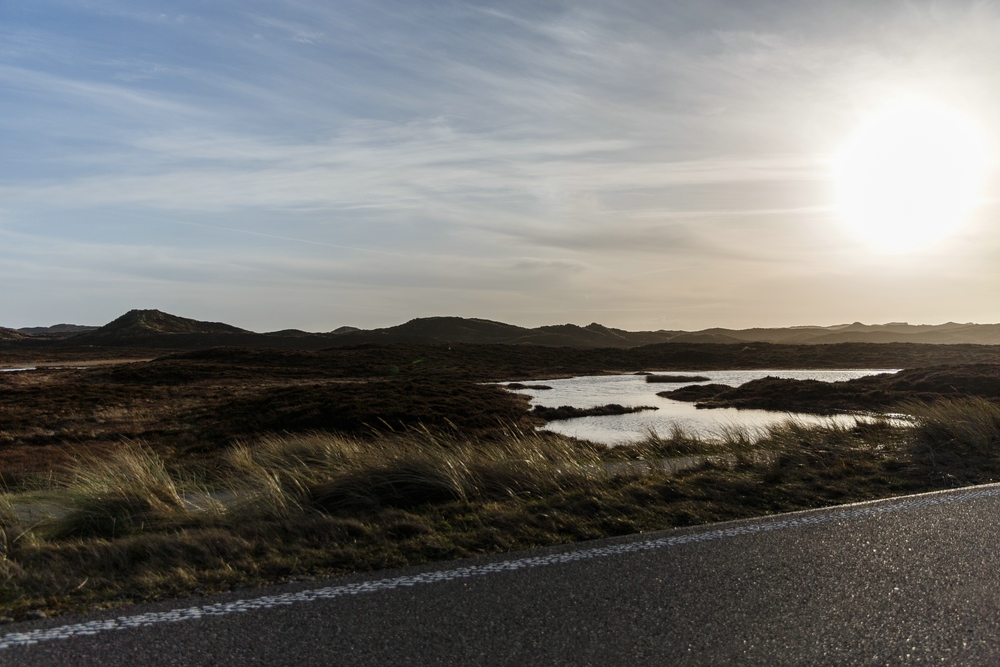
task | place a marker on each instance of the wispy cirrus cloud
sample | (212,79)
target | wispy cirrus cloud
(469,155)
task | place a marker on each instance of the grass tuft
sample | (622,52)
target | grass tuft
(404,470)
(676,442)
(110,497)
(949,432)
(10,533)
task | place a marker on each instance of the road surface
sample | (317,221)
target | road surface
(905,581)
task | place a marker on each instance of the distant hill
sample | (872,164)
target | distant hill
(145,323)
(470,330)
(458,330)
(57,330)
(895,332)
(11,334)
(437,329)
(156,329)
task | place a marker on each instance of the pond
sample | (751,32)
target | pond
(633,390)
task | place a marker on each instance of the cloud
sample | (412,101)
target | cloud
(434,151)
(298,33)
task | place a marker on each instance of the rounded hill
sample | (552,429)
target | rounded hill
(139,323)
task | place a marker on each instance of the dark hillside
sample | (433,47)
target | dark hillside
(57,330)
(138,323)
(435,330)
(11,334)
(154,329)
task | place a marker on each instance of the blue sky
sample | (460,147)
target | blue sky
(314,164)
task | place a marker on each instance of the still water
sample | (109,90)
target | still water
(633,390)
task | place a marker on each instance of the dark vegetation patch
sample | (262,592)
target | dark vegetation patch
(378,405)
(569,412)
(695,393)
(871,393)
(676,379)
(515,362)
(263,365)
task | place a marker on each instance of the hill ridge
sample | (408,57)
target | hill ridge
(146,322)
(155,328)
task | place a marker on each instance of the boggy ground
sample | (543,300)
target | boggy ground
(189,406)
(209,470)
(189,409)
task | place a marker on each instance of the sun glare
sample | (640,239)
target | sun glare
(910,176)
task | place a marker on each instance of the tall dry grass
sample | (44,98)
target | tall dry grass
(676,442)
(113,496)
(10,532)
(742,444)
(328,471)
(324,502)
(949,432)
(131,490)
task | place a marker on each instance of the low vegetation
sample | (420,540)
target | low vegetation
(675,379)
(570,412)
(125,526)
(870,393)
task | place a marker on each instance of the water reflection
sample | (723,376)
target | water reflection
(633,390)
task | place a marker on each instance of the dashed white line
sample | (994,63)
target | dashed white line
(269,601)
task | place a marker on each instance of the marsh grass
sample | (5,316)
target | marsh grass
(675,443)
(320,504)
(113,496)
(10,532)
(403,470)
(950,431)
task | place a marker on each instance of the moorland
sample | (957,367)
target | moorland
(160,456)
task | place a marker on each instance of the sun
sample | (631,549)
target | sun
(911,175)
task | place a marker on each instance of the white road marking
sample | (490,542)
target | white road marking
(268,601)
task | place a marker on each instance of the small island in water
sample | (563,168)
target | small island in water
(676,379)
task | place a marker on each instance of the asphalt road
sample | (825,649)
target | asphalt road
(913,580)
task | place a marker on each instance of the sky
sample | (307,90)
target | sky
(314,164)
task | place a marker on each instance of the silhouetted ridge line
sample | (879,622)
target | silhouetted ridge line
(155,322)
(57,330)
(156,329)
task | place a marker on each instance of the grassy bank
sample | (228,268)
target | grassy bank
(123,527)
